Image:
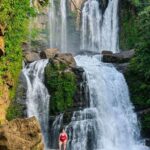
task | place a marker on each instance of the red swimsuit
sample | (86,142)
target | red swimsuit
(63,138)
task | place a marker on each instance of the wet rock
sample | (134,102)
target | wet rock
(65,58)
(49,53)
(147,142)
(31,56)
(106,52)
(21,134)
(121,57)
(104,4)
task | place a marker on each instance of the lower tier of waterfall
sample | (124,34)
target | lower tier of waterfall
(37,96)
(110,122)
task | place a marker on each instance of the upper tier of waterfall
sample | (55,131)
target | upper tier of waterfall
(99,30)
(58,25)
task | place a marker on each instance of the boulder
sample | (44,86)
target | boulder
(121,57)
(106,52)
(49,53)
(2,45)
(21,134)
(31,56)
(65,58)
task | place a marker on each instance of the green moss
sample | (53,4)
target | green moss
(61,85)
(14,111)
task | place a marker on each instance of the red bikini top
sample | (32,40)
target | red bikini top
(63,137)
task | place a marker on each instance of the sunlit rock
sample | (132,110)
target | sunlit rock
(49,53)
(21,134)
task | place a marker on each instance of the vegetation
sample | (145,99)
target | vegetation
(14,111)
(15,17)
(129,22)
(145,121)
(138,75)
(139,70)
(61,85)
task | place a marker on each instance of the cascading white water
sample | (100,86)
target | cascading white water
(52,25)
(58,25)
(91,19)
(37,96)
(110,123)
(110,27)
(99,31)
(55,130)
(63,11)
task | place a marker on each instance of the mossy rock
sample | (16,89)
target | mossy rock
(61,84)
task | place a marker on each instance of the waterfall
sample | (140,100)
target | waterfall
(99,31)
(52,25)
(55,130)
(37,97)
(110,122)
(58,25)
(63,25)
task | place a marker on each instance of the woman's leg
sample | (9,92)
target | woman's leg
(65,144)
(60,145)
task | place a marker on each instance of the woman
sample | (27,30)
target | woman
(63,138)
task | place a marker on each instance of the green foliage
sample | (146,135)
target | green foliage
(136,2)
(61,85)
(129,34)
(128,31)
(145,121)
(14,14)
(138,75)
(14,111)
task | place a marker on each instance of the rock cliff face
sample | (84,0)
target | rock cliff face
(21,134)
(4,102)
